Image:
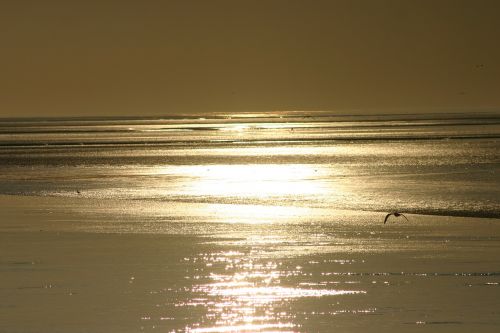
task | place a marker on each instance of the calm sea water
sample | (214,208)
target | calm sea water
(250,223)
(433,164)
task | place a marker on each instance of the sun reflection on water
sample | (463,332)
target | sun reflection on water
(246,180)
(250,291)
(243,294)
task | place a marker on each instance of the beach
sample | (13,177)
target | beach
(260,225)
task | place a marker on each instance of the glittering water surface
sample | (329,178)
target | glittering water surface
(284,160)
(250,225)
(347,272)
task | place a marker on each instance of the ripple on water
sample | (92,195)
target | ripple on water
(244,294)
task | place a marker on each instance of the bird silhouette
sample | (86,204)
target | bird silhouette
(396,214)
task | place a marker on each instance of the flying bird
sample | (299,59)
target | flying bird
(396,214)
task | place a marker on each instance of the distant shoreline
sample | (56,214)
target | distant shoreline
(345,115)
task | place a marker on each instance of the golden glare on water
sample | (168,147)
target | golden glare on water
(247,180)
(239,291)
(248,193)
(250,295)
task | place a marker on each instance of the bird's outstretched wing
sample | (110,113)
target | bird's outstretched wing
(387,216)
(403,216)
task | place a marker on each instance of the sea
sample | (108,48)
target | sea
(248,222)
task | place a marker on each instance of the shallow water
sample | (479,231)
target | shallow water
(444,165)
(67,266)
(246,224)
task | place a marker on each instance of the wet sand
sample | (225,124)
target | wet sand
(78,265)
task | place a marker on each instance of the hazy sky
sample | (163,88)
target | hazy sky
(72,58)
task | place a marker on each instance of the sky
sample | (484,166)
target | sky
(152,58)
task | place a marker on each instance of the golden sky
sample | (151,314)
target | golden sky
(118,58)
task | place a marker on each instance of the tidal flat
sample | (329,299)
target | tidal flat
(250,223)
